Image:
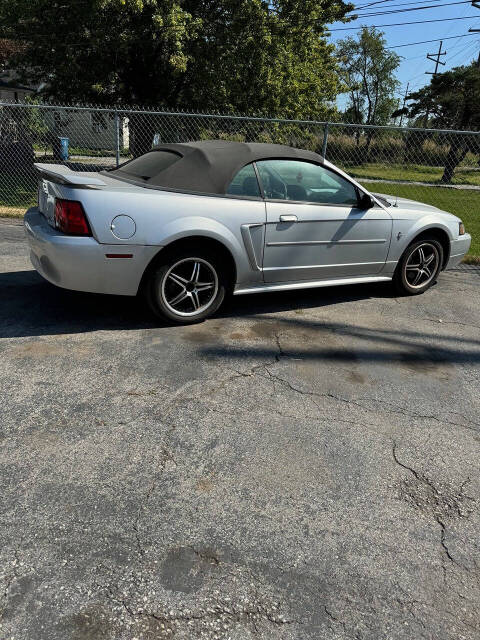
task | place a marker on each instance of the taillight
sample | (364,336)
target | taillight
(70,218)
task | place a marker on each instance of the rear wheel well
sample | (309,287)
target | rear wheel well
(443,239)
(218,249)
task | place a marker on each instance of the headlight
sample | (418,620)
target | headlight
(461,229)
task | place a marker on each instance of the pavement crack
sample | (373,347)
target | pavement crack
(389,408)
(425,496)
(444,545)
(215,613)
(424,416)
(334,618)
(14,574)
(281,352)
(405,466)
(166,457)
(232,614)
(290,386)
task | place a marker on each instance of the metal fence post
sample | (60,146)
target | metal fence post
(325,140)
(117,138)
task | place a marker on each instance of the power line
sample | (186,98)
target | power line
(402,4)
(372,3)
(464,50)
(452,48)
(414,81)
(452,26)
(401,24)
(476,5)
(410,44)
(416,8)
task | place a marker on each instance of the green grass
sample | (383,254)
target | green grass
(413,172)
(463,203)
(83,151)
(17,193)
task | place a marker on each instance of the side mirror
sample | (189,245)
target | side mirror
(365,201)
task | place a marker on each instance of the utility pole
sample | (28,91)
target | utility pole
(404,103)
(476,5)
(435,57)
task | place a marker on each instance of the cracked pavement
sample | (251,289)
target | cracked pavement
(303,465)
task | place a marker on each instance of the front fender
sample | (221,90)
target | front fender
(404,232)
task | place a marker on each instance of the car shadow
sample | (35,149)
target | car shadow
(422,350)
(33,307)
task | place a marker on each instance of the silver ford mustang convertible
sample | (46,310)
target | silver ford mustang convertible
(185,224)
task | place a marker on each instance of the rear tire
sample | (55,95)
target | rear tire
(419,266)
(186,287)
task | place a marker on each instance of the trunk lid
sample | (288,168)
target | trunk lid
(55,181)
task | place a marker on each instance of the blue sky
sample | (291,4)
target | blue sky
(414,62)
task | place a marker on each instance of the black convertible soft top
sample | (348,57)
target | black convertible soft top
(203,167)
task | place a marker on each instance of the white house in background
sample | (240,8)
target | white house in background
(88,129)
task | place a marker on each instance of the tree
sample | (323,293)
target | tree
(368,69)
(8,48)
(229,55)
(452,100)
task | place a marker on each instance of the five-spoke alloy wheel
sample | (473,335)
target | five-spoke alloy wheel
(190,286)
(419,266)
(187,287)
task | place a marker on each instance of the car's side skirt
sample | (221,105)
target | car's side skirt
(309,284)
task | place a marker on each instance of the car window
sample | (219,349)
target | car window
(150,164)
(305,181)
(245,183)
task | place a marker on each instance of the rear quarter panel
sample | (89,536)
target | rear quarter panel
(162,217)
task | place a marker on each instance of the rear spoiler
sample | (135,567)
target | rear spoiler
(64,175)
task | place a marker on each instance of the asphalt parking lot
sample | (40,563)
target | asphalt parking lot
(301,466)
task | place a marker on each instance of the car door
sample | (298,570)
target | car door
(315,227)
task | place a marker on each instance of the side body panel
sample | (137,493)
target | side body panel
(325,241)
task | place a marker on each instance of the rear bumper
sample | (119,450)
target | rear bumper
(80,263)
(458,248)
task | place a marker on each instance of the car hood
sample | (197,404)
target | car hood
(412,206)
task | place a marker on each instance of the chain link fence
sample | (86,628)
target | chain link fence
(440,167)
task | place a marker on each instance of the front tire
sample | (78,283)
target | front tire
(419,267)
(186,287)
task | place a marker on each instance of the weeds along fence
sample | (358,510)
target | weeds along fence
(441,167)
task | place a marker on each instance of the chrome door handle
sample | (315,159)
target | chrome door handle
(288,218)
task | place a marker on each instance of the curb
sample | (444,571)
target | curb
(12,221)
